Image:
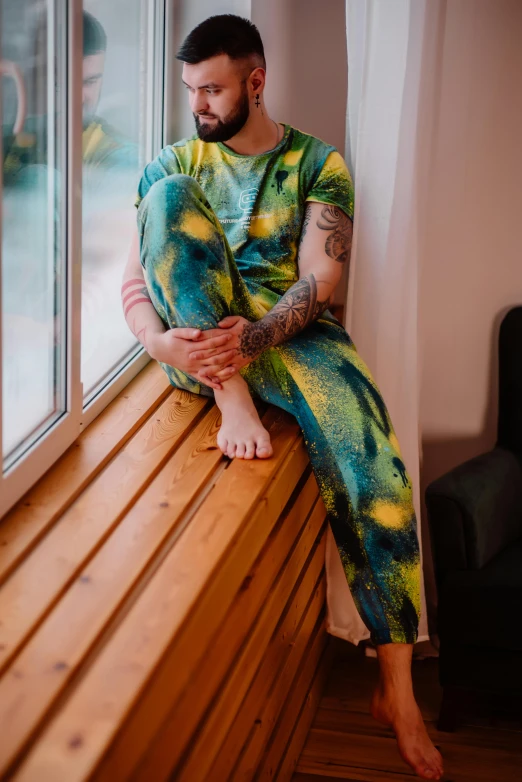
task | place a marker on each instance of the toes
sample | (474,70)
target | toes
(250,450)
(438,766)
(231,450)
(223,445)
(240,450)
(264,448)
(430,773)
(424,765)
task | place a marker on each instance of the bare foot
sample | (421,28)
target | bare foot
(415,746)
(242,434)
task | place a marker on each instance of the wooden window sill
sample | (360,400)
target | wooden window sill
(163,607)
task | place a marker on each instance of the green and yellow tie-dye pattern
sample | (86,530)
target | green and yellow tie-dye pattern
(259,200)
(219,234)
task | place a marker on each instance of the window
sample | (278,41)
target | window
(33,271)
(79,122)
(117,142)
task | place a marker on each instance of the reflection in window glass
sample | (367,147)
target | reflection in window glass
(115,109)
(32,49)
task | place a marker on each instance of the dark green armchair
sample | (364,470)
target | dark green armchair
(475,524)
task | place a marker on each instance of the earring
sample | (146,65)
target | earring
(257,99)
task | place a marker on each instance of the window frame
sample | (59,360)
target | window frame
(56,439)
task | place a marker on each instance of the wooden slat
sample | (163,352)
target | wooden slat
(262,584)
(304,677)
(179,596)
(35,586)
(47,663)
(269,689)
(274,697)
(276,692)
(299,577)
(303,721)
(125,754)
(36,512)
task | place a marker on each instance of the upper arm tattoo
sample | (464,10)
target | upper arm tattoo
(339,241)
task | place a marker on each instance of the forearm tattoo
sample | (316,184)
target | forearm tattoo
(135,292)
(339,242)
(138,293)
(295,310)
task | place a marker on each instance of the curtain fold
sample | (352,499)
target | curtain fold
(389,53)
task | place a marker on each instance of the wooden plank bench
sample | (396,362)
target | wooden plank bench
(162,608)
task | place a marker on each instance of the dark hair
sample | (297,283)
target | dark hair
(94,36)
(224,34)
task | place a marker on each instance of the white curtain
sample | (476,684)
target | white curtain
(390,98)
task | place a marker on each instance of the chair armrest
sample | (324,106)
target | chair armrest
(475,510)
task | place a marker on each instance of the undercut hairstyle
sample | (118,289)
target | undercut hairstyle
(94,36)
(227,34)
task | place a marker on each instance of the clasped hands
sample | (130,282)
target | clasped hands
(211,356)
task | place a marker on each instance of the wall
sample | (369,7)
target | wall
(472,268)
(471,265)
(306,64)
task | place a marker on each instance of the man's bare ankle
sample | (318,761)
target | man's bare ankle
(392,691)
(235,388)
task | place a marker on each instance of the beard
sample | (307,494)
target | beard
(222,130)
(88,115)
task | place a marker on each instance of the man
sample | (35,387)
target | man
(240,246)
(102,145)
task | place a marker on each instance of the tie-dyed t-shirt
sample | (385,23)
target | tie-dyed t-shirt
(260,199)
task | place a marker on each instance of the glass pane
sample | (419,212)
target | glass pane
(33,273)
(117,119)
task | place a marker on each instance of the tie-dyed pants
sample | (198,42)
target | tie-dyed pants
(318,377)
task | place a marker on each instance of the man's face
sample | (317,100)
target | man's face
(92,83)
(218,97)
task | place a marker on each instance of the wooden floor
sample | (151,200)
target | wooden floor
(346,743)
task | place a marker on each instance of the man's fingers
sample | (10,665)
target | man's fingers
(222,374)
(212,342)
(213,357)
(187,333)
(223,359)
(216,342)
(208,381)
(230,320)
(215,369)
(207,334)
(209,357)
(200,355)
